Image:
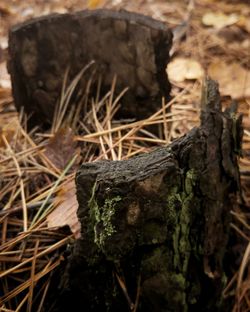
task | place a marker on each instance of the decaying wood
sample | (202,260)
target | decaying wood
(155,228)
(132,46)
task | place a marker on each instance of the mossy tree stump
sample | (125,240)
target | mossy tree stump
(155,227)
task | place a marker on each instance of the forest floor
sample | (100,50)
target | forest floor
(37,191)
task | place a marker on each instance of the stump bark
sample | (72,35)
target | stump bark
(132,46)
(155,228)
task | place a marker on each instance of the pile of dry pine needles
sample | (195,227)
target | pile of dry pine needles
(37,170)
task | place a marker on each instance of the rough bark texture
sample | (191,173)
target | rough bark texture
(130,45)
(156,227)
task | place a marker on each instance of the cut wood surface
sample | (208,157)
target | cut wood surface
(155,228)
(133,47)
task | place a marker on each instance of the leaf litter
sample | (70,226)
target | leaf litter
(37,175)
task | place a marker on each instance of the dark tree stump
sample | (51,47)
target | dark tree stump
(132,46)
(156,227)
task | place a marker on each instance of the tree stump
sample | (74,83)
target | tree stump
(155,228)
(131,46)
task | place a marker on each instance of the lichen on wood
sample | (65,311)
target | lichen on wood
(101,217)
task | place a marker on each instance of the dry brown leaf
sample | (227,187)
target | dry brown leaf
(9,122)
(65,210)
(61,147)
(181,69)
(246,44)
(244,23)
(4,76)
(219,20)
(7,130)
(3,42)
(5,98)
(92,4)
(5,9)
(234,80)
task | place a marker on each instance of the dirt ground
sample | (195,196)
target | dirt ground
(210,38)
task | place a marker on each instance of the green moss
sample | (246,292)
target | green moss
(181,243)
(179,203)
(102,217)
(194,293)
(107,211)
(190,180)
(176,238)
(173,199)
(172,211)
(179,281)
(178,294)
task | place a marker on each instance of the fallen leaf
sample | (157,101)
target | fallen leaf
(233,34)
(246,44)
(5,10)
(4,76)
(244,23)
(27,12)
(5,98)
(9,122)
(219,20)
(8,128)
(61,147)
(4,42)
(234,80)
(92,4)
(65,211)
(181,69)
